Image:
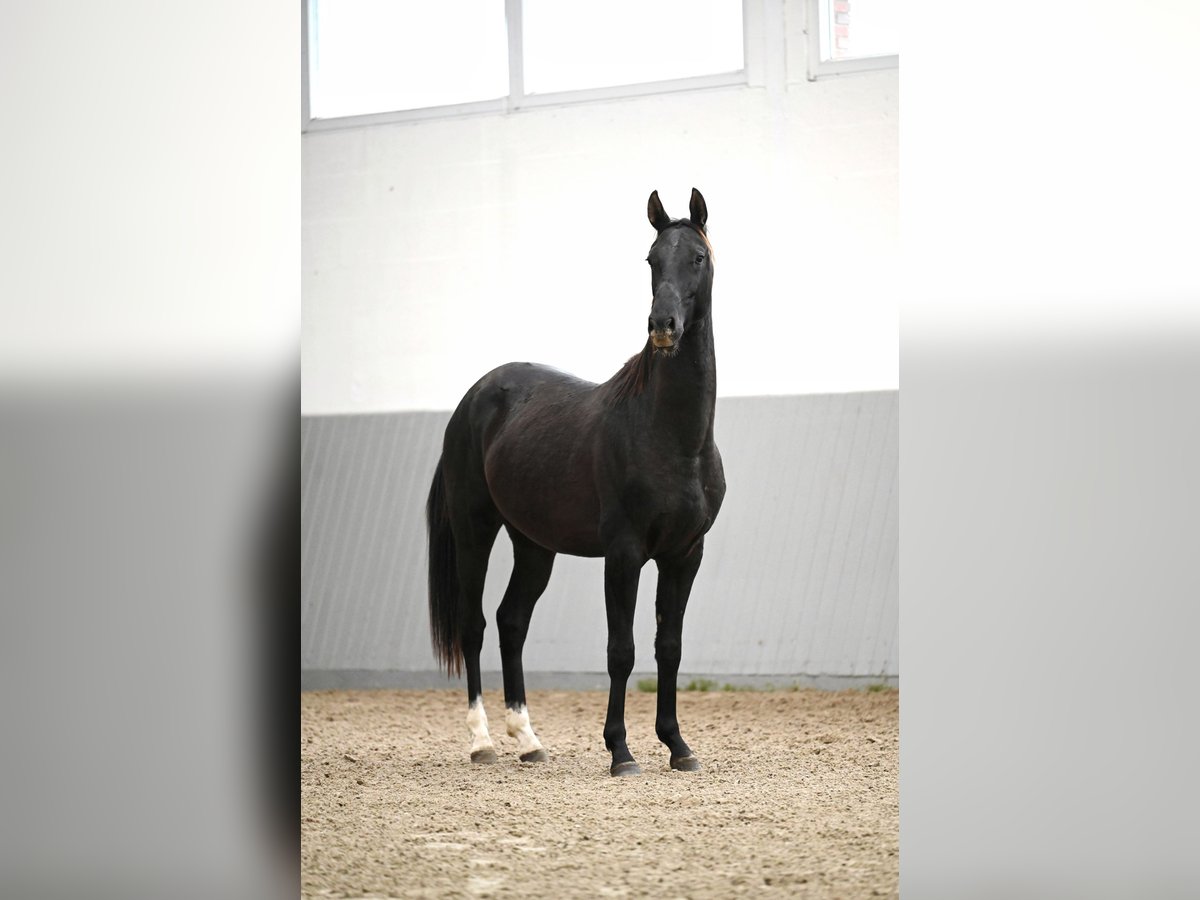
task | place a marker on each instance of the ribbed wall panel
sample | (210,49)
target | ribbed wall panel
(800,575)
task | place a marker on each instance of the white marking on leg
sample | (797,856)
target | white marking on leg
(516,723)
(477,724)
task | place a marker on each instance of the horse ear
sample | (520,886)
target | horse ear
(655,212)
(698,209)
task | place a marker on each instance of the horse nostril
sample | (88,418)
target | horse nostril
(667,324)
(650,324)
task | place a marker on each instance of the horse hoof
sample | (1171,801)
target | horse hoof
(485,756)
(626,768)
(538,755)
(685,764)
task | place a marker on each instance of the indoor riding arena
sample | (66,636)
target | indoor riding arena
(631,631)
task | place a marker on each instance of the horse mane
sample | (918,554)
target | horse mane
(632,377)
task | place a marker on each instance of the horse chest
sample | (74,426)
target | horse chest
(671,510)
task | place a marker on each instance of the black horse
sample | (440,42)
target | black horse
(626,470)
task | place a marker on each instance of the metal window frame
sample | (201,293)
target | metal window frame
(824,68)
(518,99)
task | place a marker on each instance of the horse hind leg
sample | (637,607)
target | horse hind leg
(483,751)
(532,565)
(474,540)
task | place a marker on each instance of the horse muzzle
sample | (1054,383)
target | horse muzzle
(663,340)
(666,320)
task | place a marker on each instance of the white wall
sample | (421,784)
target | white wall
(433,251)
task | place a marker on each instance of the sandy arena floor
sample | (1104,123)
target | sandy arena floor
(798,798)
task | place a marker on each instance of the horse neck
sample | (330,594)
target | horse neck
(683,389)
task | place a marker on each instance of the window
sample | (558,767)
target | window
(571,46)
(370,56)
(401,59)
(852,36)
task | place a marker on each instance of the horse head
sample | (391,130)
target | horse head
(681,272)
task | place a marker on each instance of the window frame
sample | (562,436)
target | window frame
(517,99)
(824,68)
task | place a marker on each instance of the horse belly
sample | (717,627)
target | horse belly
(550,503)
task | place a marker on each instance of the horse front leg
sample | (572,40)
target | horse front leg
(675,577)
(622,568)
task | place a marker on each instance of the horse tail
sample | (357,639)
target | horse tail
(445,605)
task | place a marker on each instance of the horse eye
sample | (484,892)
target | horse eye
(699,258)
